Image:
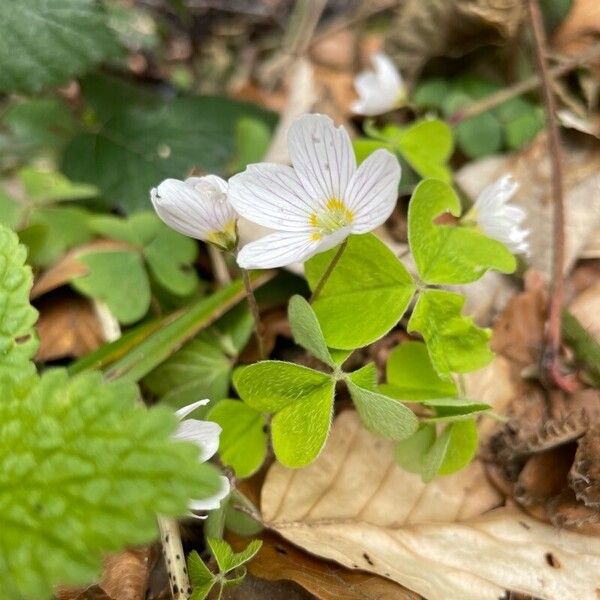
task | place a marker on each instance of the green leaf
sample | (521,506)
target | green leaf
(227,559)
(300,429)
(523,129)
(461,447)
(431,92)
(271,385)
(252,139)
(73,34)
(363,147)
(479,136)
(306,329)
(201,577)
(382,415)
(445,253)
(11,210)
(17,317)
(434,457)
(111,277)
(411,376)
(44,187)
(246,555)
(454,342)
(427,146)
(454,409)
(365,296)
(239,521)
(410,453)
(243,439)
(141,144)
(84,470)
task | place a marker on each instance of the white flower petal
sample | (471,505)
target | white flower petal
(205,434)
(184,411)
(373,191)
(379,91)
(271,195)
(212,502)
(277,250)
(387,73)
(214,180)
(322,156)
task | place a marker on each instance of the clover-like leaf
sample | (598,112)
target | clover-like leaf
(84,470)
(411,376)
(43,186)
(307,330)
(366,295)
(410,453)
(448,253)
(454,409)
(454,342)
(243,439)
(380,414)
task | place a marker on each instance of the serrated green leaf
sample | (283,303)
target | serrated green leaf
(44,187)
(198,571)
(454,342)
(17,317)
(306,329)
(111,276)
(411,376)
(84,471)
(202,590)
(143,143)
(246,555)
(445,253)
(300,429)
(243,439)
(222,552)
(410,453)
(427,146)
(384,416)
(271,385)
(366,295)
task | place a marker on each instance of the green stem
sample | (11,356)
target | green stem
(258,327)
(586,348)
(328,271)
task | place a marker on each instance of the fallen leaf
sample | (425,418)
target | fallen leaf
(278,559)
(67,327)
(125,575)
(355,506)
(580,29)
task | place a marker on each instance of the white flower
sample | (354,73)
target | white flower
(320,201)
(198,207)
(205,434)
(498,219)
(380,90)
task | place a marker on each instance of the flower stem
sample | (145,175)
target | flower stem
(172,548)
(550,358)
(258,327)
(328,271)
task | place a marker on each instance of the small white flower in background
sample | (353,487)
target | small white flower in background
(499,219)
(198,207)
(380,90)
(320,201)
(205,434)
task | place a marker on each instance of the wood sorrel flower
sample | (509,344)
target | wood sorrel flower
(320,201)
(205,434)
(198,207)
(380,90)
(498,219)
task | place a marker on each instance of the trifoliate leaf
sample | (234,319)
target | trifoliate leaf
(243,439)
(410,453)
(17,316)
(366,295)
(271,385)
(382,415)
(201,577)
(227,559)
(445,253)
(307,330)
(72,33)
(137,230)
(411,376)
(454,342)
(43,187)
(427,145)
(300,429)
(84,470)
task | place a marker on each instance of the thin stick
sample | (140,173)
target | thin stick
(502,96)
(220,270)
(172,548)
(329,270)
(553,329)
(258,328)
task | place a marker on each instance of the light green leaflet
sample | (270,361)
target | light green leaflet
(365,296)
(449,254)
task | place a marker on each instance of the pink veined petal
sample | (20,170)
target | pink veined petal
(277,250)
(212,502)
(322,156)
(205,434)
(272,195)
(184,411)
(373,191)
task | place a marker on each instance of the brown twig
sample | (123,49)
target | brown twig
(329,270)
(550,358)
(522,87)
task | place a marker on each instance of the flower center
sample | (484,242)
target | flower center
(334,216)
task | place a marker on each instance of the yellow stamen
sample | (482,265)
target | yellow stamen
(335,216)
